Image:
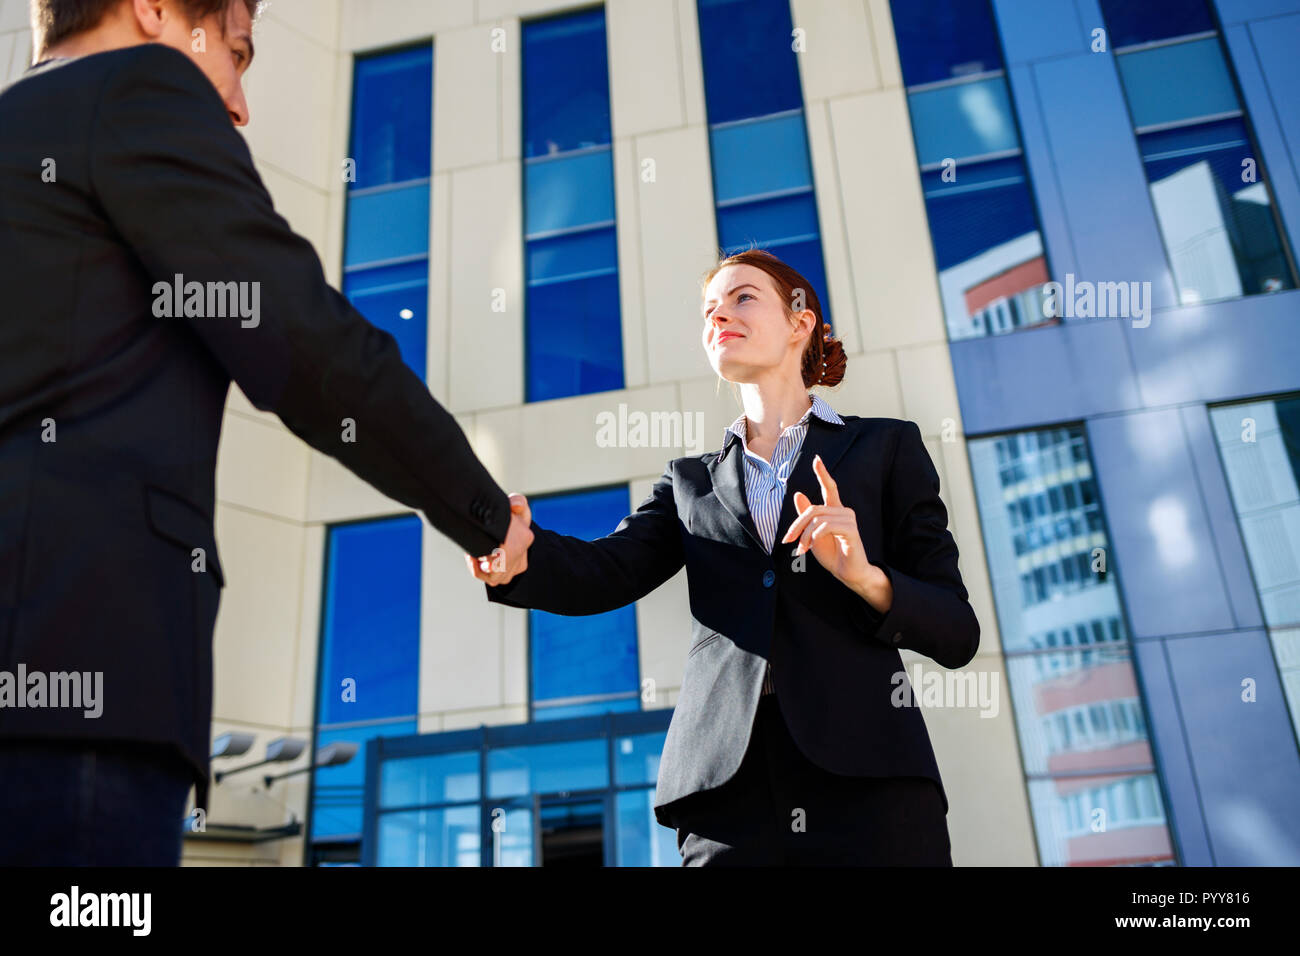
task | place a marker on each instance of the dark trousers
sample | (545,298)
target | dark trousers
(780,809)
(102,804)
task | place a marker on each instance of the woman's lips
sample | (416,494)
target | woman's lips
(729,335)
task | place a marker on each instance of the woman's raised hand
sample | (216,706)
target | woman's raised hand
(830,532)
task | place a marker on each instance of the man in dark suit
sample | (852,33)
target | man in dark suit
(144,268)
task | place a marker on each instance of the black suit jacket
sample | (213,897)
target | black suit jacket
(834,657)
(152,180)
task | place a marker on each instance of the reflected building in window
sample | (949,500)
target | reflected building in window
(1259,444)
(988,248)
(1208,185)
(1092,781)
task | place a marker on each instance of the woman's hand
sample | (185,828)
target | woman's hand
(830,532)
(494,569)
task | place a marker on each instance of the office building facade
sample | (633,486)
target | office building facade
(1059,235)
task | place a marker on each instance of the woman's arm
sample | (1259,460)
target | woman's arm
(931,612)
(567,575)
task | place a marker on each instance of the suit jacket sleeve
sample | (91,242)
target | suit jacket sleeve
(567,575)
(178,184)
(930,613)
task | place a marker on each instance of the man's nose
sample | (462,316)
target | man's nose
(237,107)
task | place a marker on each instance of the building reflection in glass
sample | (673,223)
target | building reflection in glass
(1259,443)
(1091,777)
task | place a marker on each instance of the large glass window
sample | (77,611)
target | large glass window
(762,175)
(573,328)
(369,661)
(988,246)
(1259,444)
(386,246)
(1211,196)
(584,664)
(576,792)
(1079,715)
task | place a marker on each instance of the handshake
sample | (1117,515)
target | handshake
(511,557)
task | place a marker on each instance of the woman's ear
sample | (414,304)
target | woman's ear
(805,323)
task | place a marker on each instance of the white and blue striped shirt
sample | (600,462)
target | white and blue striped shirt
(765,481)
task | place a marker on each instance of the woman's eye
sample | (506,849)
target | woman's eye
(743,296)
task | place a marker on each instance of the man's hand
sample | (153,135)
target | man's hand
(511,558)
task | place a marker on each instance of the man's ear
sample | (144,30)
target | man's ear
(149,16)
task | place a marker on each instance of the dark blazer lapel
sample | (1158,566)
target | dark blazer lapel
(824,438)
(727,472)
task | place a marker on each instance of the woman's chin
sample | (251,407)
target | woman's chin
(735,373)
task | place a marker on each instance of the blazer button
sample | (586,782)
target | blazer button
(898,636)
(769,578)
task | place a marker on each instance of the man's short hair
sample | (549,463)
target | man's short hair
(55,20)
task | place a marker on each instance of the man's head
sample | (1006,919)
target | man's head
(215,34)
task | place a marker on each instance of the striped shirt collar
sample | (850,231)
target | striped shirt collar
(820,407)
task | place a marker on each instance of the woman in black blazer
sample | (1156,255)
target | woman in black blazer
(792,740)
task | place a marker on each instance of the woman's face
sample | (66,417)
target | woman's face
(746,327)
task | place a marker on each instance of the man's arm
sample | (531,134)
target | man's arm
(178,183)
(930,613)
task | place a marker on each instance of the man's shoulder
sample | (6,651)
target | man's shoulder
(143,65)
(156,65)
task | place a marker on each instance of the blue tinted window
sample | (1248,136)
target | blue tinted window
(548,768)
(387,224)
(987,205)
(337,801)
(569,191)
(767,222)
(573,255)
(388,227)
(1220,232)
(573,335)
(538,768)
(573,339)
(392,117)
(942,39)
(565,83)
(371,625)
(435,778)
(1208,187)
(396,298)
(446,837)
(963,120)
(1203,85)
(749,63)
(580,656)
(988,248)
(1129,22)
(758,141)
(781,142)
